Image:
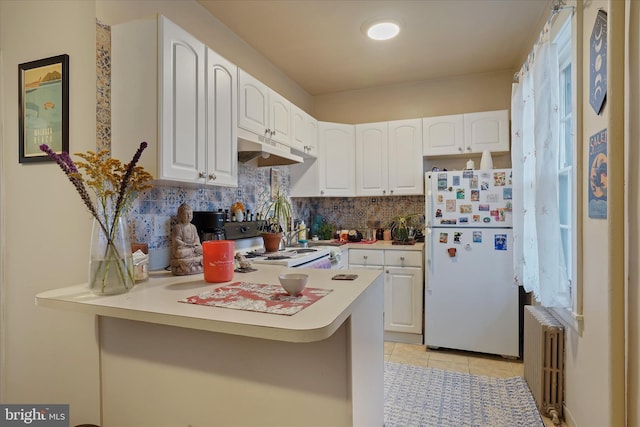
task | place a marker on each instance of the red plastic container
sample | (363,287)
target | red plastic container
(217,257)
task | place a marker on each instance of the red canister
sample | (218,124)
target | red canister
(218,261)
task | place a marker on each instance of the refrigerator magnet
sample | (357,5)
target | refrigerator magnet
(473,182)
(466,209)
(456,180)
(508,207)
(460,193)
(440,198)
(500,242)
(475,195)
(477,237)
(483,207)
(492,197)
(494,213)
(463,220)
(499,179)
(438,213)
(451,206)
(444,237)
(442,183)
(506,193)
(476,218)
(486,219)
(484,185)
(457,236)
(501,214)
(467,174)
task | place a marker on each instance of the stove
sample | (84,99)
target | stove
(291,257)
(247,240)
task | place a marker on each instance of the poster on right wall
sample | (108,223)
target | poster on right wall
(598,175)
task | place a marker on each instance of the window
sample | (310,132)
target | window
(567,188)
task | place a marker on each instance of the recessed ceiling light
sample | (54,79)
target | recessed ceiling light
(382,29)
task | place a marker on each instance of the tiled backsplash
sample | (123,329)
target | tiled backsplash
(154,211)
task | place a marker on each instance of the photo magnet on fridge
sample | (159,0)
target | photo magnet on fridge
(457,236)
(444,237)
(460,193)
(477,237)
(500,242)
(456,180)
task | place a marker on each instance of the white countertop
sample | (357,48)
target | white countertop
(156,301)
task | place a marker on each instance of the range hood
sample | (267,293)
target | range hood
(265,153)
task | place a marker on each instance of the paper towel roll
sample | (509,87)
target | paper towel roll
(486,162)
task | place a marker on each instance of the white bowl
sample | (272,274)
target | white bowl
(293,283)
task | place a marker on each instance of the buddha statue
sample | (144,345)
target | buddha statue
(186,249)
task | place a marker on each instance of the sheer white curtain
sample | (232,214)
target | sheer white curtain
(538,257)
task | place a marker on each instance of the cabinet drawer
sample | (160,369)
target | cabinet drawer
(403,258)
(366,257)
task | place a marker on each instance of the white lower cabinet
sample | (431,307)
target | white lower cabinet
(403,289)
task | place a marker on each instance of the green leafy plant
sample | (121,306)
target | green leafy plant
(403,226)
(275,211)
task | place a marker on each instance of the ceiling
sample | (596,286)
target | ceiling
(319,43)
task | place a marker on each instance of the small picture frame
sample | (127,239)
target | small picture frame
(43,98)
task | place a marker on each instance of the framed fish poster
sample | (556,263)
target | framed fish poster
(43,98)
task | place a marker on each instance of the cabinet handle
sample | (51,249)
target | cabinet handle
(384,191)
(391,191)
(460,149)
(322,192)
(266,131)
(202,175)
(273,132)
(402,260)
(468,148)
(212,177)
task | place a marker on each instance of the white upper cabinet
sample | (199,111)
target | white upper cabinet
(336,159)
(466,133)
(263,111)
(222,123)
(389,158)
(443,135)
(372,154)
(304,133)
(405,157)
(159,95)
(311,146)
(487,130)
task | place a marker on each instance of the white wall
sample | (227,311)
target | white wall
(48,356)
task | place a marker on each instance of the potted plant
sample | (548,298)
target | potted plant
(403,228)
(276,211)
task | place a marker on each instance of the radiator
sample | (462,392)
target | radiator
(544,360)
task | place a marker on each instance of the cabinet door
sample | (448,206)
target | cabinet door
(182,104)
(336,157)
(312,136)
(253,104)
(443,135)
(488,130)
(372,169)
(403,300)
(405,157)
(279,118)
(299,128)
(222,123)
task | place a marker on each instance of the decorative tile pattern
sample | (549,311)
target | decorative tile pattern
(153,212)
(416,396)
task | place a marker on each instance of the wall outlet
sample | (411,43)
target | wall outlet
(161,226)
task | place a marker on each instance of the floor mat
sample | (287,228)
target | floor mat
(429,397)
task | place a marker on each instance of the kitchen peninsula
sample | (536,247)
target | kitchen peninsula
(166,363)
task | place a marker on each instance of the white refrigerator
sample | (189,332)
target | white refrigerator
(471,301)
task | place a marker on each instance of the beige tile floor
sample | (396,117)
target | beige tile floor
(459,361)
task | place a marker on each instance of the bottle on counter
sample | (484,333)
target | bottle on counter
(302,232)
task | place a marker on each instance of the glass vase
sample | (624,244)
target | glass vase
(110,261)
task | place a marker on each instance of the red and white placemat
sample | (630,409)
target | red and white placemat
(258,297)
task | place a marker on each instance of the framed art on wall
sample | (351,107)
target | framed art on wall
(43,99)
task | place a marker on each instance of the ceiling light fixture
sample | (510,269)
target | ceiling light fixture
(381,29)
